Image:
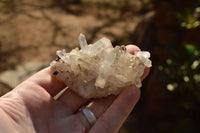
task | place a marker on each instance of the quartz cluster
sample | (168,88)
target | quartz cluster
(97,70)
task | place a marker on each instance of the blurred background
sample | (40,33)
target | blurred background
(32,31)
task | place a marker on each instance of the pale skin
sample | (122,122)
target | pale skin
(30,107)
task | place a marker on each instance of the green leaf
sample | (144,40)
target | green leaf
(190,48)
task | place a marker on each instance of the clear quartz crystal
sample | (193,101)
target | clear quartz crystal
(82,41)
(98,70)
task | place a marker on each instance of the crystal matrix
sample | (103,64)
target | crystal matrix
(98,69)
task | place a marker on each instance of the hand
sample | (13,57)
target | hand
(30,107)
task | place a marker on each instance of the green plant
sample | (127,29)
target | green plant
(189,18)
(181,74)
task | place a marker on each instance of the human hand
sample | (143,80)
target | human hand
(30,107)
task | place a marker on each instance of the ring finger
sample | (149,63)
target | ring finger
(111,112)
(97,107)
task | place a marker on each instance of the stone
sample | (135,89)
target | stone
(12,78)
(98,70)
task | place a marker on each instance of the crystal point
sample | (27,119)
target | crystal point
(82,41)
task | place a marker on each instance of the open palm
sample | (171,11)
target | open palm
(30,107)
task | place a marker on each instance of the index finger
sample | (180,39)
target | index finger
(44,79)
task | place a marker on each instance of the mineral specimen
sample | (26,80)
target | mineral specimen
(98,69)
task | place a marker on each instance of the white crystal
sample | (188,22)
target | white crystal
(98,70)
(82,41)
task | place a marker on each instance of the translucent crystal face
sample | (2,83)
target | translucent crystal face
(98,69)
